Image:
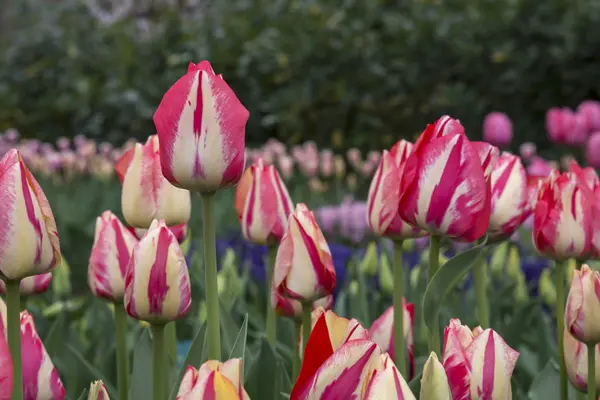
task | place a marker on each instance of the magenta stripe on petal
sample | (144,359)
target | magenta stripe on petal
(33,355)
(209,388)
(249,215)
(31,213)
(347,382)
(489,364)
(123,253)
(157,285)
(312,250)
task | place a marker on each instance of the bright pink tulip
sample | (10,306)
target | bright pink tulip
(98,391)
(444,189)
(146,194)
(6,368)
(510,197)
(565,127)
(157,284)
(29,242)
(582,313)
(303,268)
(40,379)
(291,308)
(263,204)
(213,381)
(382,333)
(478,363)
(201,125)
(562,217)
(497,129)
(35,284)
(589,110)
(592,150)
(576,362)
(111,252)
(384,195)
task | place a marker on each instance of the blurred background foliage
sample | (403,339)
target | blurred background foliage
(343,73)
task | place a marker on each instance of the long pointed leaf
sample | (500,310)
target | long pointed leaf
(142,368)
(194,358)
(92,371)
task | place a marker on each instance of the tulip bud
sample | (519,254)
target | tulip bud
(29,242)
(386,277)
(547,289)
(221,380)
(303,268)
(443,188)
(387,383)
(497,129)
(369,262)
(589,111)
(111,251)
(35,284)
(576,360)
(434,383)
(562,223)
(157,284)
(263,204)
(582,313)
(40,379)
(565,127)
(527,151)
(513,263)
(181,232)
(98,391)
(382,332)
(146,194)
(201,124)
(498,258)
(61,279)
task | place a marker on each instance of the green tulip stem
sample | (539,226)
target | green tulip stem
(434,264)
(480,280)
(591,394)
(399,309)
(13,320)
(271,317)
(210,266)
(560,325)
(306,324)
(122,356)
(296,353)
(159,372)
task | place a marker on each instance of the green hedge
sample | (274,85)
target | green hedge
(342,73)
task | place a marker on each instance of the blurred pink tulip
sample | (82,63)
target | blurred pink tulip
(527,151)
(592,150)
(497,129)
(590,111)
(539,167)
(563,126)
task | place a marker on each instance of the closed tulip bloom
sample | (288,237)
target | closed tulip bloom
(291,308)
(576,362)
(586,174)
(146,194)
(444,189)
(31,285)
(157,284)
(111,251)
(589,110)
(98,391)
(582,313)
(201,125)
(180,231)
(382,333)
(434,382)
(478,363)
(303,268)
(527,151)
(40,379)
(384,195)
(592,150)
(497,129)
(213,381)
(334,330)
(566,127)
(510,197)
(387,383)
(6,369)
(562,217)
(29,242)
(263,204)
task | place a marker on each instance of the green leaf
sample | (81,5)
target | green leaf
(547,384)
(445,279)
(194,357)
(55,337)
(228,327)
(92,371)
(83,395)
(260,383)
(142,368)
(415,385)
(239,347)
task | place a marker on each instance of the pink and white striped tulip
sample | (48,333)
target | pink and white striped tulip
(576,362)
(303,268)
(111,252)
(382,333)
(387,383)
(180,231)
(201,125)
(384,195)
(40,379)
(478,363)
(582,313)
(434,382)
(497,129)
(510,197)
(98,391)
(6,368)
(31,285)
(157,284)
(291,308)
(213,381)
(146,194)
(562,217)
(444,188)
(29,242)
(263,204)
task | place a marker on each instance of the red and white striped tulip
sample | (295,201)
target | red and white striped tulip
(444,189)
(577,363)
(111,252)
(582,313)
(382,333)
(338,330)
(180,231)
(31,285)
(98,391)
(478,363)
(510,197)
(146,194)
(387,383)
(213,381)
(29,242)
(562,217)
(40,378)
(291,308)
(263,204)
(157,284)
(384,195)
(497,129)
(586,174)
(303,268)
(201,125)
(434,382)
(6,368)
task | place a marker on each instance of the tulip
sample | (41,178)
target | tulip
(497,129)
(214,380)
(583,306)
(527,151)
(40,379)
(565,127)
(338,330)
(98,391)
(576,357)
(382,333)
(592,150)
(6,367)
(291,308)
(386,382)
(146,194)
(589,110)
(434,382)
(180,231)
(35,284)
(478,363)
(201,125)
(588,174)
